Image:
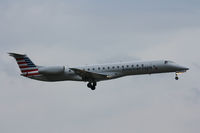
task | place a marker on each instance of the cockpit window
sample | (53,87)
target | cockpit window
(167,61)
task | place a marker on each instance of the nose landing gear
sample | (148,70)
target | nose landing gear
(176,77)
(92,85)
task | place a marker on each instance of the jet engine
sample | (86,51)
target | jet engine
(51,70)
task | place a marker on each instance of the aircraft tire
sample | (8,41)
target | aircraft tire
(93,88)
(89,85)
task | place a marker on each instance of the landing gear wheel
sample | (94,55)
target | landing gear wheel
(89,85)
(176,78)
(92,85)
(93,88)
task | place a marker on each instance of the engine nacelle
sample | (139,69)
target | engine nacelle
(51,70)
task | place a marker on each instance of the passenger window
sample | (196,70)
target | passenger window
(98,68)
(93,69)
(103,68)
(88,69)
(113,67)
(127,66)
(108,67)
(118,67)
(137,67)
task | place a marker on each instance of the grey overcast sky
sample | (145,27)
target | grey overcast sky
(70,33)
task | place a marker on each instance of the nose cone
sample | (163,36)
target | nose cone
(186,68)
(182,68)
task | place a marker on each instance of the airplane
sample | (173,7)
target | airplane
(94,73)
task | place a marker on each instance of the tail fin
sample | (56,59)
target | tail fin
(27,67)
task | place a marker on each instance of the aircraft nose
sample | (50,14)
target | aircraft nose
(182,68)
(186,68)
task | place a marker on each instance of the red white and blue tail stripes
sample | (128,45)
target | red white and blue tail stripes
(27,67)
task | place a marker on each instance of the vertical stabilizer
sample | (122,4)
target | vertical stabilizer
(27,67)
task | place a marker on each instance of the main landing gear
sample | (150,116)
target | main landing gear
(92,85)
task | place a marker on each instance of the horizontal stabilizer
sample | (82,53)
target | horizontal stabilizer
(15,55)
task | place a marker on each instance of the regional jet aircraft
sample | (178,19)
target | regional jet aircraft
(94,73)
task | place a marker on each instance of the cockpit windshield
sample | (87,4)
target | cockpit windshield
(168,61)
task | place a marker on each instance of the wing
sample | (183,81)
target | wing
(89,76)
